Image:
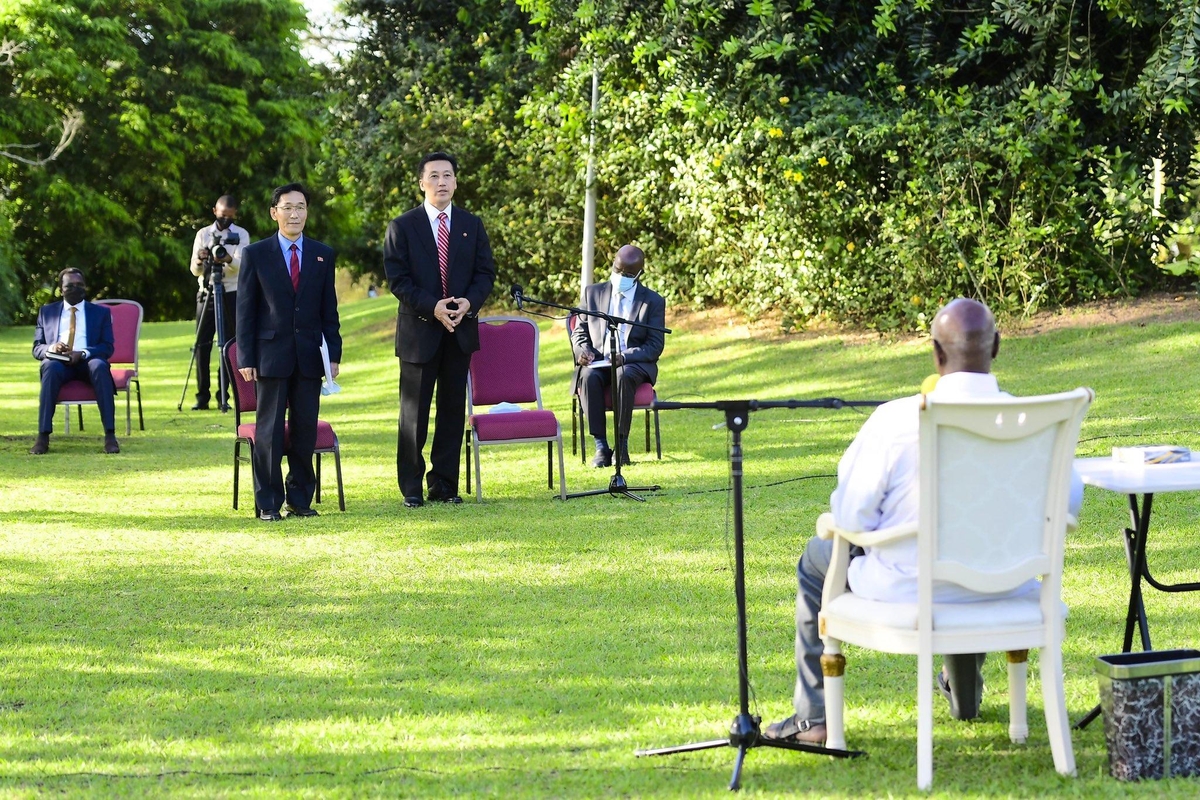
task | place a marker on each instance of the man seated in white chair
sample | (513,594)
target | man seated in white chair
(877,488)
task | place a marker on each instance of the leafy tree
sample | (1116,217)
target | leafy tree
(859,160)
(182,101)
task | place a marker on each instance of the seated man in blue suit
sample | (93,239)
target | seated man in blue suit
(74,340)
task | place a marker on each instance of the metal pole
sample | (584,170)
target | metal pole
(589,201)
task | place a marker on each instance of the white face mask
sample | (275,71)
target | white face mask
(622,283)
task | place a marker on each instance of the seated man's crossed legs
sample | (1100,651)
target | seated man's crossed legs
(960,682)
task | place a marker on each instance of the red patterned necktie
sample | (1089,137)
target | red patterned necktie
(294,268)
(443,244)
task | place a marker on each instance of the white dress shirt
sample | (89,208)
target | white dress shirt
(620,304)
(204,238)
(64,327)
(432,211)
(878,488)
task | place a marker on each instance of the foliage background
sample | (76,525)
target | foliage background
(860,161)
(852,160)
(183,100)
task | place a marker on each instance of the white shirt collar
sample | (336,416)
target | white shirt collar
(956,384)
(432,212)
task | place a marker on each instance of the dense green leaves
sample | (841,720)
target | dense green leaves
(182,101)
(861,161)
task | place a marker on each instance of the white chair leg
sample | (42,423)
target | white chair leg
(1018,672)
(924,720)
(833,668)
(1058,727)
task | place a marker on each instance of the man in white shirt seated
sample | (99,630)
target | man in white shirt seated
(74,341)
(877,488)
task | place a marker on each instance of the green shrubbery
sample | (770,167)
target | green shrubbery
(776,157)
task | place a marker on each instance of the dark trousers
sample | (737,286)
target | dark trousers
(591,390)
(206,329)
(965,672)
(448,370)
(94,371)
(300,398)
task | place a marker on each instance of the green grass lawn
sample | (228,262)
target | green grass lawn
(155,641)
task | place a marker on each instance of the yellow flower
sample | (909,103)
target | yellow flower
(916,300)
(775,133)
(783,101)
(716,162)
(797,176)
(850,246)
(823,161)
(901,88)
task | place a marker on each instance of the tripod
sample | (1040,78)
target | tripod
(744,733)
(216,290)
(617,487)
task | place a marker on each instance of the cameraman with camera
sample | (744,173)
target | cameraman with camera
(216,259)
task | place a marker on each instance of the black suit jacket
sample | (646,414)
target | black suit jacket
(99,325)
(279,329)
(643,346)
(411,264)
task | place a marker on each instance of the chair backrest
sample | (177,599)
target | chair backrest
(995,482)
(127,330)
(505,367)
(245,394)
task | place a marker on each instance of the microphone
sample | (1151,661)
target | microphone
(518,294)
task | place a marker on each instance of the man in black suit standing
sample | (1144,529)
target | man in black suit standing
(637,353)
(285,304)
(439,266)
(74,340)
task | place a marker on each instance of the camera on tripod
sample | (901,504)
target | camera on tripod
(214,266)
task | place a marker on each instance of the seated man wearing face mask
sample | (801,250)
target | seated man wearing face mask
(74,340)
(636,355)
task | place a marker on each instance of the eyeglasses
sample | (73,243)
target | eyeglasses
(290,209)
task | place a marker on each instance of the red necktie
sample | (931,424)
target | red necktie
(443,244)
(294,268)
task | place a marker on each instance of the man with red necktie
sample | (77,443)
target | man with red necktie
(286,303)
(439,265)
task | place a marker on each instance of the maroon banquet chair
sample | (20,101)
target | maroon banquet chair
(505,370)
(643,400)
(127,331)
(245,396)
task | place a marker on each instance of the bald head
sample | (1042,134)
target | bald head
(630,260)
(964,337)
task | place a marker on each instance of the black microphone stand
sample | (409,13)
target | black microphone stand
(617,487)
(744,733)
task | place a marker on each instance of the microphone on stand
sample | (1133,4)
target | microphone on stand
(518,294)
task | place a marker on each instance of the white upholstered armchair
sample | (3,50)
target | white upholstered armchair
(994,484)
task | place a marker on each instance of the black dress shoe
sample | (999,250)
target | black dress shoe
(413,501)
(301,512)
(41,445)
(270,516)
(624,457)
(603,458)
(442,493)
(200,407)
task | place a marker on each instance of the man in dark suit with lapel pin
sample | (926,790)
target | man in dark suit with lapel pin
(74,341)
(637,353)
(439,265)
(286,303)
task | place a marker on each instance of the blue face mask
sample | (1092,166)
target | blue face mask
(622,283)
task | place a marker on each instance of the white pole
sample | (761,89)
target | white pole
(589,201)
